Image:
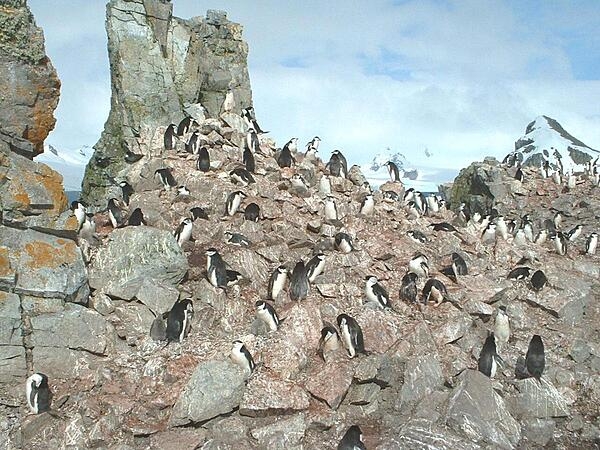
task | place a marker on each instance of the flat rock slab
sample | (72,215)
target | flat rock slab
(420,434)
(43,265)
(331,383)
(10,319)
(477,411)
(137,253)
(423,375)
(282,434)
(215,388)
(268,396)
(539,400)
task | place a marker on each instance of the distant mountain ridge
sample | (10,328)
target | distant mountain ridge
(70,164)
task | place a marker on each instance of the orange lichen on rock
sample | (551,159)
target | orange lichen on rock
(42,254)
(5,268)
(53,182)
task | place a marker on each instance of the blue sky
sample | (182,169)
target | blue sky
(461,78)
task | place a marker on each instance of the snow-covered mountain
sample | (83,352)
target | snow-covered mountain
(546,138)
(69,163)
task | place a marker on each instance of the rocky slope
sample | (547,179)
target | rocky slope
(163,69)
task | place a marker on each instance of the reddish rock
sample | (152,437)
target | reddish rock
(267,395)
(330,383)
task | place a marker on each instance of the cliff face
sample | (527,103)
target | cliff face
(28,82)
(162,69)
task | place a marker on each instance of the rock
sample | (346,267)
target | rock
(10,320)
(268,396)
(102,303)
(159,298)
(65,363)
(133,320)
(453,327)
(422,375)
(283,434)
(215,388)
(180,439)
(29,83)
(133,255)
(363,394)
(538,432)
(170,63)
(330,383)
(44,265)
(476,410)
(539,400)
(13,367)
(420,434)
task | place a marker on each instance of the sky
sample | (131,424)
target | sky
(453,79)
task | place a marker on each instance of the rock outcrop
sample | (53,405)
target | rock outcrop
(29,84)
(163,69)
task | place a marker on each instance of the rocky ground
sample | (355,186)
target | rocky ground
(114,387)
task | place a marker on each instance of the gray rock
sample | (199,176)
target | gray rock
(13,367)
(421,434)
(65,363)
(422,375)
(268,396)
(102,303)
(363,394)
(477,411)
(159,298)
(538,432)
(539,400)
(133,255)
(330,383)
(133,320)
(215,388)
(282,434)
(10,319)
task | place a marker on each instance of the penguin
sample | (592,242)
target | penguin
(502,326)
(233,202)
(203,161)
(560,243)
(237,239)
(519,174)
(102,162)
(228,102)
(556,177)
(299,285)
(342,160)
(519,273)
(168,136)
(277,282)
(267,314)
(520,239)
(198,213)
(393,171)
(185,125)
(88,228)
(252,143)
(242,176)
(233,277)
(510,159)
(166,177)
(242,357)
(179,320)
(131,157)
(193,142)
(250,119)
(574,233)
(442,226)
(527,227)
(412,211)
(418,265)
(376,293)
(390,196)
(324,185)
(501,227)
(115,214)
(330,210)
(367,206)
(459,265)
(310,153)
(315,266)
(571,181)
(136,218)
(183,191)
(535,360)
(538,280)
(216,272)
(292,145)
(252,212)
(343,242)
(183,233)
(417,236)
(314,143)
(591,243)
(299,186)
(79,211)
(126,190)
(489,234)
(409,195)
(330,340)
(541,237)
(248,160)
(352,439)
(433,204)
(335,166)
(37,392)
(352,335)
(488,357)
(408,289)
(545,169)
(285,158)
(557,220)
(434,290)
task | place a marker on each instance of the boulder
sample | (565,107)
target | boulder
(539,400)
(284,433)
(266,395)
(330,383)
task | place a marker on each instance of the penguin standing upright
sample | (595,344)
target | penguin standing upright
(115,215)
(315,266)
(535,360)
(285,158)
(502,326)
(330,210)
(169,135)
(393,171)
(277,282)
(336,166)
(234,200)
(330,340)
(185,125)
(459,266)
(126,190)
(367,207)
(488,358)
(591,243)
(250,119)
(252,143)
(228,102)
(203,161)
(343,242)
(136,218)
(242,357)
(216,272)
(267,314)
(561,243)
(166,177)
(299,285)
(193,143)
(352,335)
(376,293)
(179,320)
(248,160)
(252,212)
(79,211)
(408,288)
(434,290)
(183,233)
(37,392)
(418,265)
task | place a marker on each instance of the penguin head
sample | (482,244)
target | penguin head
(211,252)
(187,221)
(342,320)
(261,305)
(371,280)
(39,379)
(282,270)
(237,345)
(251,130)
(328,331)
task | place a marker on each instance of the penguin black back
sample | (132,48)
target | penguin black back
(203,162)
(408,289)
(285,158)
(538,280)
(127,191)
(535,360)
(168,137)
(299,285)
(248,160)
(136,218)
(198,213)
(178,320)
(184,126)
(352,439)
(252,212)
(487,358)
